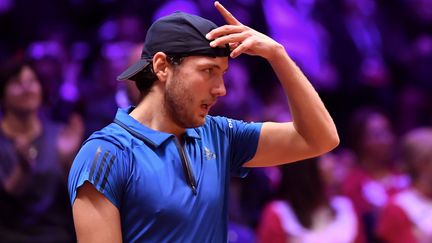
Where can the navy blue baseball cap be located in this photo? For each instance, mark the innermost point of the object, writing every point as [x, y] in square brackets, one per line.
[178, 34]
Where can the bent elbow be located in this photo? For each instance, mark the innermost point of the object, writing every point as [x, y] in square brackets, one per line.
[334, 141]
[329, 143]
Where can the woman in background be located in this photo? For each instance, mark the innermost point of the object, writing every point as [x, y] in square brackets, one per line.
[374, 176]
[305, 213]
[35, 155]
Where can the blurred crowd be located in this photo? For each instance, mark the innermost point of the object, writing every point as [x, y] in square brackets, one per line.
[370, 60]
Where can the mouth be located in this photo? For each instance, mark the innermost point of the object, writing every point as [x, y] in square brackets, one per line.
[206, 106]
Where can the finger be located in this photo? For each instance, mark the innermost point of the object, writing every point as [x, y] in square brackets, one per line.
[227, 39]
[233, 46]
[224, 30]
[229, 18]
[243, 47]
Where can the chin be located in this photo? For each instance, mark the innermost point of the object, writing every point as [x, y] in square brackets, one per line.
[200, 123]
[197, 122]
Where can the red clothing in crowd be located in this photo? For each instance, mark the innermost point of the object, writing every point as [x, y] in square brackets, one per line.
[280, 225]
[406, 218]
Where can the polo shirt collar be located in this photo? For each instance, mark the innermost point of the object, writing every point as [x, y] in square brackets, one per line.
[150, 136]
[192, 133]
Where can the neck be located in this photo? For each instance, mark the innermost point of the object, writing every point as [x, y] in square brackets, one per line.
[19, 125]
[152, 113]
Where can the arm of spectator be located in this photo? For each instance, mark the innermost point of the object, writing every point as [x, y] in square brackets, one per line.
[18, 180]
[69, 140]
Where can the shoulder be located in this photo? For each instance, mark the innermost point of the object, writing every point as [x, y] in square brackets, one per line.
[112, 136]
[110, 141]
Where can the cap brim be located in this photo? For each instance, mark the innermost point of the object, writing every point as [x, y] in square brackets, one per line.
[132, 70]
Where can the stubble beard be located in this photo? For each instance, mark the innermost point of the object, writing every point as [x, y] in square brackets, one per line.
[178, 102]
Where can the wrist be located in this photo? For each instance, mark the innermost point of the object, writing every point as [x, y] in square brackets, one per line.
[277, 52]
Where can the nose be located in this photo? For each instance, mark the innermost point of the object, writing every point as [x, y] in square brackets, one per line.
[27, 84]
[219, 89]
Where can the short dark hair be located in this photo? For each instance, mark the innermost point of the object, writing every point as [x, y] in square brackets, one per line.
[302, 186]
[146, 78]
[9, 69]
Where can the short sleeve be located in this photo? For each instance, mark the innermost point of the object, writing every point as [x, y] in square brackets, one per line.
[243, 142]
[102, 164]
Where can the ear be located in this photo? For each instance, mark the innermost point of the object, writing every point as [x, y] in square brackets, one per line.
[160, 66]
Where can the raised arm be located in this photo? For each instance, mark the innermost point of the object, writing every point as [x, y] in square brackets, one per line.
[312, 131]
[96, 219]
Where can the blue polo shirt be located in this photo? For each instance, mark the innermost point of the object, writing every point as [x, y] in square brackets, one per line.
[140, 171]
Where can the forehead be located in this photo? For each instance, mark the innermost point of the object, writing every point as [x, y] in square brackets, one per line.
[22, 73]
[26, 71]
[218, 62]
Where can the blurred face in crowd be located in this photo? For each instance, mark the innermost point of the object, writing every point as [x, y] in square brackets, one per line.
[417, 151]
[193, 87]
[335, 167]
[377, 138]
[23, 93]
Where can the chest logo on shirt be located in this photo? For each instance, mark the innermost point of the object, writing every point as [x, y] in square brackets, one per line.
[208, 154]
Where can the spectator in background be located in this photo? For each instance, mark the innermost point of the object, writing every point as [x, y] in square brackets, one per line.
[305, 213]
[58, 68]
[334, 167]
[374, 176]
[35, 155]
[408, 216]
[48, 57]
